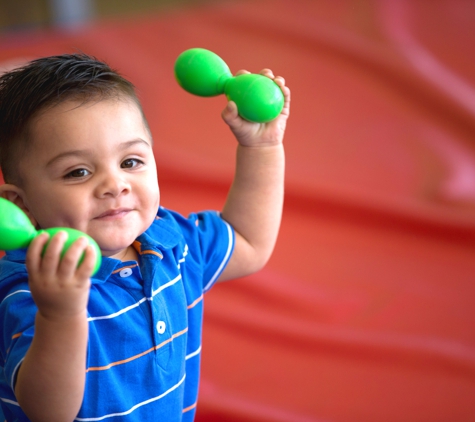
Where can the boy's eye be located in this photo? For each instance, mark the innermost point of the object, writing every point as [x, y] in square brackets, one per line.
[130, 163]
[78, 173]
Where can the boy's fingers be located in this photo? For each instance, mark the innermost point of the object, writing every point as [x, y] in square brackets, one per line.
[230, 113]
[69, 262]
[35, 250]
[286, 92]
[242, 72]
[267, 72]
[52, 254]
[279, 80]
[87, 265]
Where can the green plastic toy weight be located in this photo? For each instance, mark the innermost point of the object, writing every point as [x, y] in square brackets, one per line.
[16, 232]
[201, 72]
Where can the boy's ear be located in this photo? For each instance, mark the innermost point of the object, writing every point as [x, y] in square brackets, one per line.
[16, 195]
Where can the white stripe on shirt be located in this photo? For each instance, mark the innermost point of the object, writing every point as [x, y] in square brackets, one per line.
[127, 412]
[170, 283]
[9, 401]
[116, 314]
[128, 308]
[223, 263]
[14, 293]
[193, 354]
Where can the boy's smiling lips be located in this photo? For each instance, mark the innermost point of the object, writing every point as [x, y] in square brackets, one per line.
[114, 213]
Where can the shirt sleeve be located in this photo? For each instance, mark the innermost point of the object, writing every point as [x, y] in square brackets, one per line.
[216, 238]
[209, 239]
[17, 317]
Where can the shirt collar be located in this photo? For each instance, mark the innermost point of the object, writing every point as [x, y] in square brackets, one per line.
[160, 236]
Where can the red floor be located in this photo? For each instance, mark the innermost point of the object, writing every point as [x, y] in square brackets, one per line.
[366, 310]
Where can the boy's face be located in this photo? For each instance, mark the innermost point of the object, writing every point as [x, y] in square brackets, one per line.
[91, 167]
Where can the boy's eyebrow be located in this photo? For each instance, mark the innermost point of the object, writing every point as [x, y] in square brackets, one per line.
[82, 153]
[133, 142]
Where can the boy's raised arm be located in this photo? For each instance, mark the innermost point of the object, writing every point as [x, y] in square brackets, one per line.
[255, 200]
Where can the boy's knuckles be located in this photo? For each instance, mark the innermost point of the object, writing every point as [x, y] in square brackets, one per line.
[242, 72]
[267, 72]
[70, 260]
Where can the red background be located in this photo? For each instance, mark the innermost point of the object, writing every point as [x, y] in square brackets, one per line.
[366, 309]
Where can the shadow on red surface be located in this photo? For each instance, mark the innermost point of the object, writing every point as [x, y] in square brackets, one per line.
[365, 311]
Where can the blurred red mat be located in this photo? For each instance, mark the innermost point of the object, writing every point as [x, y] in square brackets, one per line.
[365, 311]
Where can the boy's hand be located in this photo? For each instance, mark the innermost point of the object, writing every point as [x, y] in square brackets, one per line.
[59, 287]
[259, 134]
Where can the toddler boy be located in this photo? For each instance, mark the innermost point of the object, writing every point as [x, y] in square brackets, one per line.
[124, 344]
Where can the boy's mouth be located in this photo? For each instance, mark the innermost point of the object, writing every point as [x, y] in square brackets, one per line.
[115, 213]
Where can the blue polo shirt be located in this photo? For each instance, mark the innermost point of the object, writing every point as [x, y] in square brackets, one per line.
[145, 322]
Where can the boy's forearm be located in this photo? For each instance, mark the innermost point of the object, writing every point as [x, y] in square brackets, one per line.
[254, 204]
[51, 379]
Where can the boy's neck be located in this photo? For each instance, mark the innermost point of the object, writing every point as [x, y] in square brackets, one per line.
[128, 254]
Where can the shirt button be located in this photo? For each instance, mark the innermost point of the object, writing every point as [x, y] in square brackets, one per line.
[126, 272]
[161, 326]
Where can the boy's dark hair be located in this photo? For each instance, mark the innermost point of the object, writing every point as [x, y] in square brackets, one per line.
[47, 82]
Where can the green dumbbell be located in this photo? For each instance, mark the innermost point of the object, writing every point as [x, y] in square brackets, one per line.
[201, 72]
[16, 232]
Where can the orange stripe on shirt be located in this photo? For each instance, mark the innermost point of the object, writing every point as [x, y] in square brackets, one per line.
[187, 409]
[137, 246]
[14, 336]
[120, 362]
[152, 253]
[195, 302]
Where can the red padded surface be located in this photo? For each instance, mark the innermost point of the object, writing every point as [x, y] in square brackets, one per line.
[366, 309]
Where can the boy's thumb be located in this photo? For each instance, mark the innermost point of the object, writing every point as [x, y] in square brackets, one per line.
[230, 112]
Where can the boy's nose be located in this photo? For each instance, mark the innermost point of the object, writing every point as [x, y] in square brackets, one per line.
[113, 185]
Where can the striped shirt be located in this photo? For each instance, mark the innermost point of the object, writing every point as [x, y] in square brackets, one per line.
[145, 322]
